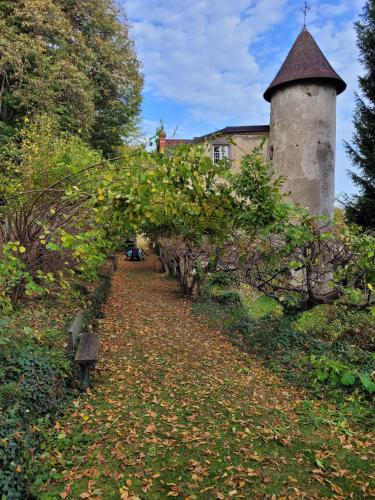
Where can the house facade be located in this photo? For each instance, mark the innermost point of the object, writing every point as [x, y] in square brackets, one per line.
[230, 142]
[233, 142]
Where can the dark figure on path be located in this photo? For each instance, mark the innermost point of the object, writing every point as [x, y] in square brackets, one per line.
[135, 254]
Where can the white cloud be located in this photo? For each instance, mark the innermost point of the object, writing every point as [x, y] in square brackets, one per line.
[199, 53]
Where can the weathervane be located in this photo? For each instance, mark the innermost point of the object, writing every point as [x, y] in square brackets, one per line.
[305, 10]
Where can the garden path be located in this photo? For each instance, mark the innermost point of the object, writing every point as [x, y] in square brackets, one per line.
[177, 410]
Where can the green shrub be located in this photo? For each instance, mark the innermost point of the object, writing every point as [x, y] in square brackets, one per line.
[289, 351]
[338, 374]
[34, 384]
[8, 393]
[314, 350]
[322, 321]
[13, 442]
[98, 298]
[227, 297]
[259, 305]
[339, 323]
[222, 279]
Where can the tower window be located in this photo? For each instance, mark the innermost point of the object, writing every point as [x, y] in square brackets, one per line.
[220, 152]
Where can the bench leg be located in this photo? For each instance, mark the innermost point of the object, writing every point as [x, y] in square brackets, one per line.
[84, 376]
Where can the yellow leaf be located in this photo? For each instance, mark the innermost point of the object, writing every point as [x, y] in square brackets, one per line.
[22, 249]
[109, 176]
[123, 493]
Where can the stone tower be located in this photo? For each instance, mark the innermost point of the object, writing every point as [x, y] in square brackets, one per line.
[302, 141]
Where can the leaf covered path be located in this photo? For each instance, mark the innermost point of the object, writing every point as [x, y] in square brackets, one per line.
[176, 410]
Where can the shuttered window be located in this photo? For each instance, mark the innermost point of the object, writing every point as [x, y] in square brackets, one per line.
[220, 152]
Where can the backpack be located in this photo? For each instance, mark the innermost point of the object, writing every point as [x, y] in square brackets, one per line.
[135, 254]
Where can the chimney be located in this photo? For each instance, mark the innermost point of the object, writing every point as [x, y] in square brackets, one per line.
[162, 141]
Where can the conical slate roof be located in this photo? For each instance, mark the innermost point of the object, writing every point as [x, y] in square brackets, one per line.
[305, 61]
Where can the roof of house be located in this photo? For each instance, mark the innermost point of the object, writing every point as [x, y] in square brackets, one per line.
[242, 129]
[172, 143]
[305, 61]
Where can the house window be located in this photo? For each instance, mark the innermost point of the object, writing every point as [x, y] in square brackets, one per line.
[220, 152]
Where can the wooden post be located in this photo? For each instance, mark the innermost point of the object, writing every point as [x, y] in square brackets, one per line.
[84, 376]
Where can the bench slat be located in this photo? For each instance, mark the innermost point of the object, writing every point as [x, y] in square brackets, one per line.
[73, 331]
[88, 348]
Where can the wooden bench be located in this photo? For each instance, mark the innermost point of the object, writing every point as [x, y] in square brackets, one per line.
[86, 357]
[87, 353]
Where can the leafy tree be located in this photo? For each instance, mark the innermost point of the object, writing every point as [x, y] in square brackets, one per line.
[73, 60]
[114, 69]
[361, 208]
[48, 225]
[69, 205]
[305, 262]
[41, 70]
[193, 208]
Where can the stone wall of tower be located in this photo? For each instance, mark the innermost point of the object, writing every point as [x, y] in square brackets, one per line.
[302, 143]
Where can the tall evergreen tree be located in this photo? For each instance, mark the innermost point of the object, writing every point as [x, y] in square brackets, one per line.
[361, 208]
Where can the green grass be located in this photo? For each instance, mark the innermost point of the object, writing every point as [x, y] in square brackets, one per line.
[177, 411]
[258, 306]
[286, 344]
[223, 450]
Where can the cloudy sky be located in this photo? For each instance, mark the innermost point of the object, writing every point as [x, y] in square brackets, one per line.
[207, 62]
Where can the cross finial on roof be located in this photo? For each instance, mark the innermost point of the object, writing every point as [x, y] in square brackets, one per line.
[305, 10]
